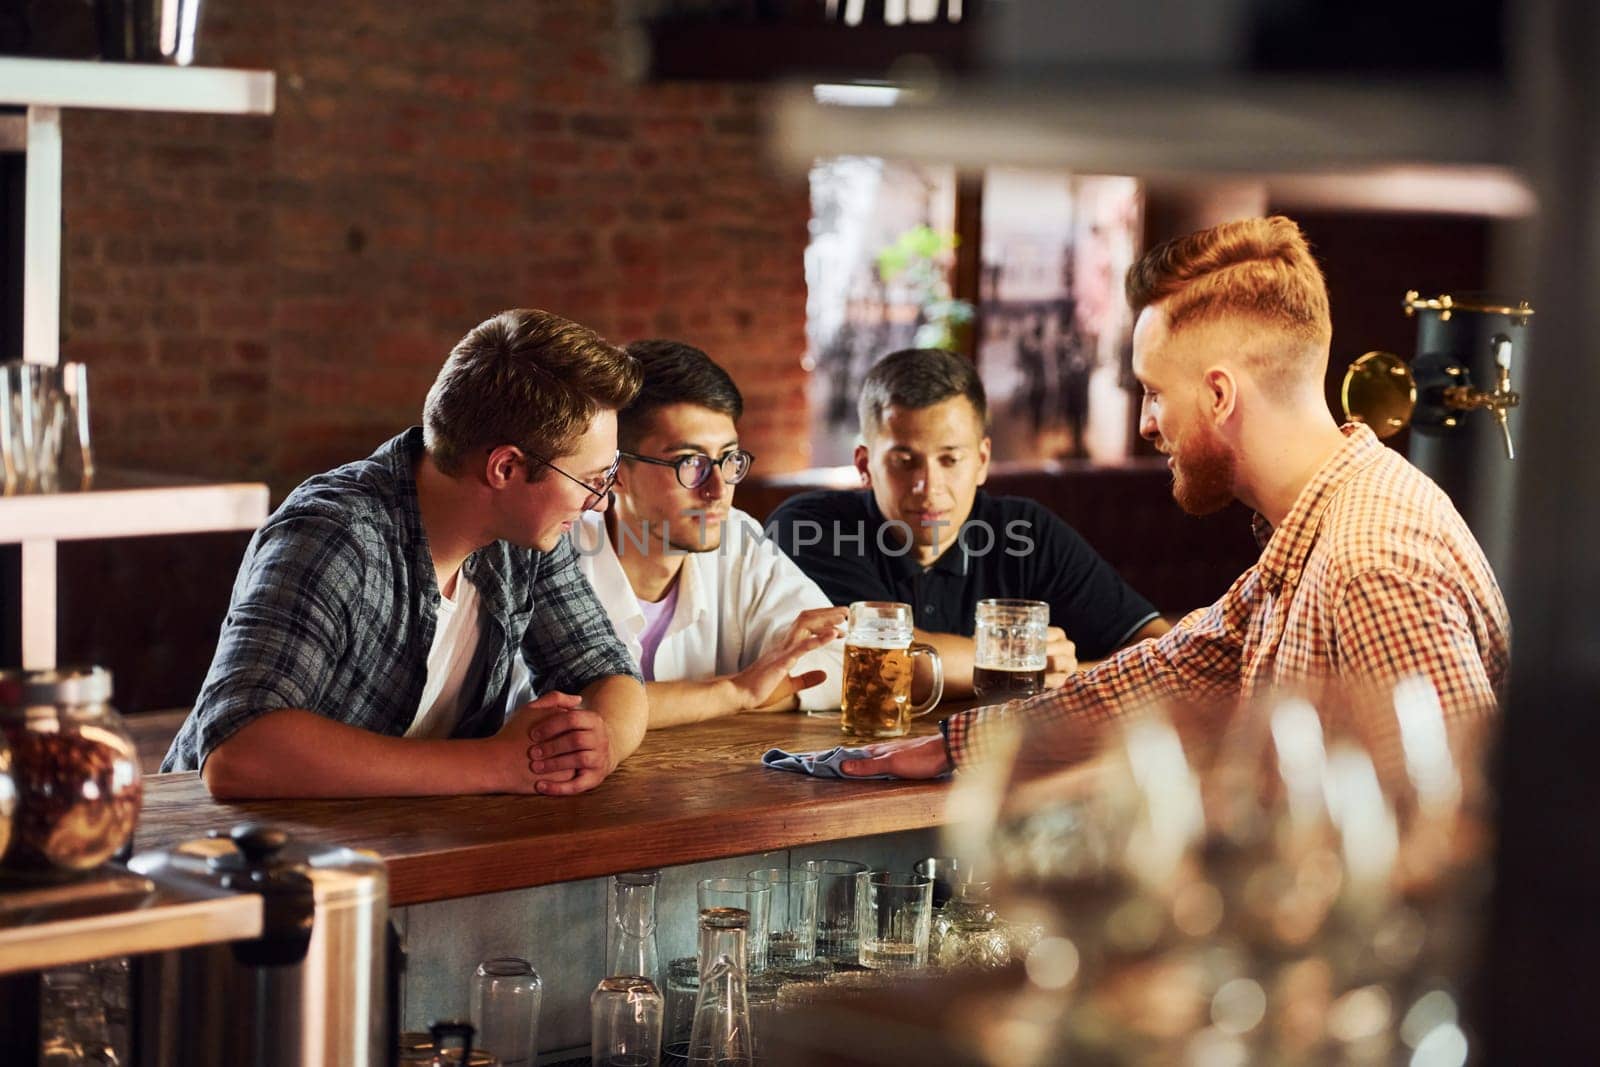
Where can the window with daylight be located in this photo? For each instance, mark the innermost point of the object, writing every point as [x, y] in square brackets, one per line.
[1044, 318]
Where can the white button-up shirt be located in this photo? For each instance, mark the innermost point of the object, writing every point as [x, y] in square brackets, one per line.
[734, 603]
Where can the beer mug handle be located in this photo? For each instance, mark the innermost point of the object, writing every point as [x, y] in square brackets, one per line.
[920, 649]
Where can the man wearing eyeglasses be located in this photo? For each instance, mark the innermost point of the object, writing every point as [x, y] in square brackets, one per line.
[387, 611]
[717, 618]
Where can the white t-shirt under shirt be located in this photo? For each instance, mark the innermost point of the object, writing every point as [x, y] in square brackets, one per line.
[455, 639]
[657, 617]
[733, 605]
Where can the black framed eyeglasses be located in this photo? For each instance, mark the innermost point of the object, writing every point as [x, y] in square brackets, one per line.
[597, 492]
[694, 468]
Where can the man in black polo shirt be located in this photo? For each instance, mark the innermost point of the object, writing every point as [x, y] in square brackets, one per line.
[921, 532]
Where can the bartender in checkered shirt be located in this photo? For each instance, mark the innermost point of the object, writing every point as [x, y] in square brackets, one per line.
[1367, 573]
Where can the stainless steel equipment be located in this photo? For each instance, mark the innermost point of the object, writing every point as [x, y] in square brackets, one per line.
[310, 992]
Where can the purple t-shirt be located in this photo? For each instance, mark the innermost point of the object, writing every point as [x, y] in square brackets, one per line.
[657, 617]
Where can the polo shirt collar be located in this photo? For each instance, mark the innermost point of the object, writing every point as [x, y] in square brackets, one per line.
[955, 560]
[1287, 546]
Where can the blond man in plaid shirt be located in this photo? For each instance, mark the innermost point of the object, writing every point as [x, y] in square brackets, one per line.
[1367, 573]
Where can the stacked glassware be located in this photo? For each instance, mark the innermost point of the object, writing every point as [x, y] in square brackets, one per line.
[1300, 889]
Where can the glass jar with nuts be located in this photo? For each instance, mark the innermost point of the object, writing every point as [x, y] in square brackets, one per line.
[75, 770]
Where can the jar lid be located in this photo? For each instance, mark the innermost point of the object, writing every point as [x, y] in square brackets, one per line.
[61, 686]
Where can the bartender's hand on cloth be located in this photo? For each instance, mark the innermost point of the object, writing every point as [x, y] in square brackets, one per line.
[561, 747]
[911, 757]
[1061, 658]
[767, 685]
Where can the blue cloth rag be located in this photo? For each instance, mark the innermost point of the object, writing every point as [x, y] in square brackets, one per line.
[824, 764]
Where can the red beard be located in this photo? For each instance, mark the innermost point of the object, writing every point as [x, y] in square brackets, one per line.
[1203, 472]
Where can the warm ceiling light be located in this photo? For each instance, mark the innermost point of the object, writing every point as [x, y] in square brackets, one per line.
[855, 95]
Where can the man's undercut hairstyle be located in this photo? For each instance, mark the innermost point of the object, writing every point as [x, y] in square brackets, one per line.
[1256, 268]
[674, 373]
[525, 378]
[919, 378]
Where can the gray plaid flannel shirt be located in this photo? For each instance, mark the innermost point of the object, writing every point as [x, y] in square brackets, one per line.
[335, 605]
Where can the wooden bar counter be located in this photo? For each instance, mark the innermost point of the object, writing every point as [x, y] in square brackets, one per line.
[688, 794]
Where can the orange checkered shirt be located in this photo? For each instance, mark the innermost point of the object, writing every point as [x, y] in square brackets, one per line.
[1373, 576]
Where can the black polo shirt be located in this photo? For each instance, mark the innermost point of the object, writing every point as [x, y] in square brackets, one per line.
[1008, 547]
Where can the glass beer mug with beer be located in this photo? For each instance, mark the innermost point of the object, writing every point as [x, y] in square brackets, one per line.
[1009, 660]
[879, 658]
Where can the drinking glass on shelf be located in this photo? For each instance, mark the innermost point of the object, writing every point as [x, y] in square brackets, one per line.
[791, 914]
[21, 425]
[43, 384]
[761, 993]
[949, 876]
[506, 995]
[75, 391]
[747, 894]
[839, 895]
[879, 654]
[12, 471]
[683, 986]
[625, 1022]
[39, 404]
[721, 1034]
[896, 920]
[1009, 659]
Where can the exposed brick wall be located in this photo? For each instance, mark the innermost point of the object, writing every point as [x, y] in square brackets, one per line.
[268, 297]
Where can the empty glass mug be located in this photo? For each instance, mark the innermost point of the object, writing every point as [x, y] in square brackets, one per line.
[1009, 659]
[879, 658]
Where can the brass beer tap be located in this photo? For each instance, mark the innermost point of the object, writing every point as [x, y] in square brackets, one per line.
[1499, 402]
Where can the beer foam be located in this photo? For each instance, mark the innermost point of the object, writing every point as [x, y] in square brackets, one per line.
[893, 642]
[1011, 663]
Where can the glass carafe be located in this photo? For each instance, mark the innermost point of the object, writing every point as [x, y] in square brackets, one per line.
[631, 940]
[721, 1036]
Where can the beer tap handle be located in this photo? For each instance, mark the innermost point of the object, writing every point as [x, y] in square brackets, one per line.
[1502, 352]
[1501, 417]
[1503, 399]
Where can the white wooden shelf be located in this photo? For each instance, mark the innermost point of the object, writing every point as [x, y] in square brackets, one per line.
[132, 505]
[115, 913]
[135, 86]
[127, 506]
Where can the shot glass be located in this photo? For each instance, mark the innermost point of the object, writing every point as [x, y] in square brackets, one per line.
[840, 892]
[791, 914]
[752, 896]
[895, 921]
